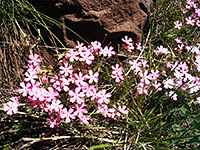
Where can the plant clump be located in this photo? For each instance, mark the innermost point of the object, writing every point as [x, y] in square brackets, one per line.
[151, 98]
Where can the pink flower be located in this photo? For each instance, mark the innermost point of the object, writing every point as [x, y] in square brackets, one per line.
[182, 67]
[111, 112]
[34, 88]
[188, 2]
[129, 47]
[194, 86]
[123, 110]
[79, 45]
[72, 79]
[92, 77]
[191, 3]
[161, 50]
[44, 79]
[88, 90]
[117, 73]
[25, 89]
[184, 10]
[66, 70]
[34, 59]
[178, 25]
[107, 51]
[76, 96]
[80, 79]
[194, 49]
[67, 115]
[142, 88]
[190, 21]
[197, 11]
[129, 43]
[41, 94]
[178, 40]
[84, 119]
[168, 83]
[157, 85]
[178, 74]
[94, 94]
[87, 57]
[172, 94]
[103, 97]
[63, 84]
[163, 72]
[102, 108]
[53, 122]
[33, 68]
[54, 79]
[135, 66]
[72, 55]
[194, 16]
[80, 110]
[169, 64]
[52, 94]
[96, 46]
[127, 40]
[14, 99]
[55, 106]
[31, 76]
[35, 101]
[144, 63]
[139, 47]
[12, 106]
[145, 78]
[198, 100]
[42, 105]
[154, 74]
[188, 7]
[198, 23]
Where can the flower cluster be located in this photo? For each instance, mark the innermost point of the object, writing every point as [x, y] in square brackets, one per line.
[130, 44]
[139, 67]
[161, 50]
[181, 77]
[192, 19]
[80, 88]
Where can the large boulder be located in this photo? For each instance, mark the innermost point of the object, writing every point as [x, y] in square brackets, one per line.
[102, 20]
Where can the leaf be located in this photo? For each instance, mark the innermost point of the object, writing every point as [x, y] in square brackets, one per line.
[99, 146]
[194, 108]
[183, 110]
[172, 35]
[196, 124]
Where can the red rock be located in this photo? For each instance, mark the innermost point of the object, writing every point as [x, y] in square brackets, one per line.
[102, 20]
